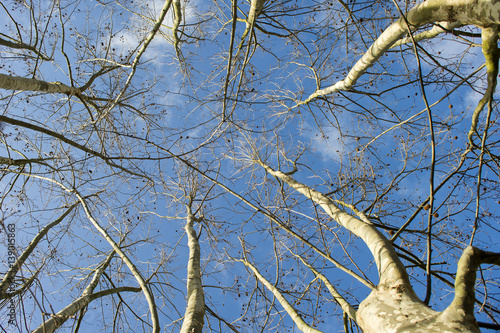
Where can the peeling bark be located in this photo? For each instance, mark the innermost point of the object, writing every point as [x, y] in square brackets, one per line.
[388, 310]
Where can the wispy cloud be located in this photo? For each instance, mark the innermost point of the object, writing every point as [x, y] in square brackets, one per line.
[328, 142]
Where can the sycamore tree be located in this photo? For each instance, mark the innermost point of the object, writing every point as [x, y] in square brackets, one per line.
[249, 166]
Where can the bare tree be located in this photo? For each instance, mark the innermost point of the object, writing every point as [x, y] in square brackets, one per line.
[249, 166]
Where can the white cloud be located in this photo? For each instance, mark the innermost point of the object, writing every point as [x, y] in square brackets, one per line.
[472, 97]
[328, 142]
[139, 25]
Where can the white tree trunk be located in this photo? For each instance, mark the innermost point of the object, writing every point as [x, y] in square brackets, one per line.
[297, 319]
[20, 83]
[195, 309]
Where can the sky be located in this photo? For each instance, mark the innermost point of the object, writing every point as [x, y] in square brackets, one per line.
[178, 108]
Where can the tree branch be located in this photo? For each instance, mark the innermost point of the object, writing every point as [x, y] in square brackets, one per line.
[491, 53]
[391, 269]
[9, 277]
[348, 308]
[21, 45]
[297, 319]
[20, 83]
[478, 12]
[58, 319]
[106, 159]
[465, 280]
[436, 30]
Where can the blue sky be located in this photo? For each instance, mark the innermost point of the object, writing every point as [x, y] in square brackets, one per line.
[166, 108]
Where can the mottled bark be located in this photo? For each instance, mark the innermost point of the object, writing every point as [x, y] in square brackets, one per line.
[195, 309]
[391, 310]
[491, 53]
[388, 310]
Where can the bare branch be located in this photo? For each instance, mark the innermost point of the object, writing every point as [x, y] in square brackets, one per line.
[301, 324]
[71, 310]
[391, 270]
[20, 83]
[11, 273]
[481, 12]
[462, 305]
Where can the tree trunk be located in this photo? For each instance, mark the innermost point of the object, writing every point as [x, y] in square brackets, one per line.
[393, 305]
[195, 309]
[20, 83]
[391, 309]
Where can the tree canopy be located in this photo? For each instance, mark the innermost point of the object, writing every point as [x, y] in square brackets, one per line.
[249, 166]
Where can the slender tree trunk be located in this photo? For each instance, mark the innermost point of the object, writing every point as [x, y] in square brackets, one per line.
[20, 83]
[195, 309]
[71, 310]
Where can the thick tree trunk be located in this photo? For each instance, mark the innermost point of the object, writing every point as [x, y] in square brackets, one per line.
[390, 309]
